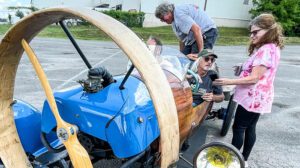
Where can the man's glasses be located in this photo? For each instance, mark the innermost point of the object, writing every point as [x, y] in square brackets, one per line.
[254, 32]
[212, 59]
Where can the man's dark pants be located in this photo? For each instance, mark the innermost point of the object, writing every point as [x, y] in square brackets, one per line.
[209, 39]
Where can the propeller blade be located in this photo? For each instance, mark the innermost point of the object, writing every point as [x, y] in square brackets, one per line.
[66, 132]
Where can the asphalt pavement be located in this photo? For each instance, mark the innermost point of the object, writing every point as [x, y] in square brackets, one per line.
[278, 133]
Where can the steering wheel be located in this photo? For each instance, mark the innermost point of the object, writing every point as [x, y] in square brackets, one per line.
[194, 81]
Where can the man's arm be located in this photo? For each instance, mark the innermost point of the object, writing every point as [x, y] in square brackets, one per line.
[217, 92]
[198, 36]
[213, 97]
[181, 46]
[218, 97]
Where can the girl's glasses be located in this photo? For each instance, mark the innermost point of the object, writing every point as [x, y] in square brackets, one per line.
[254, 32]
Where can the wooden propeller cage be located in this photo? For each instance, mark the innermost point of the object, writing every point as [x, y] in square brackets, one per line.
[11, 152]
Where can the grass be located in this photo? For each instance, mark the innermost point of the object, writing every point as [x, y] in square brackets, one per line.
[227, 36]
[4, 28]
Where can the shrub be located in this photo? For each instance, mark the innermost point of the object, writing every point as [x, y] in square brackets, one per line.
[287, 13]
[19, 14]
[130, 19]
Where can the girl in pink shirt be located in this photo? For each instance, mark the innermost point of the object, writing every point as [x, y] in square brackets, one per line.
[254, 91]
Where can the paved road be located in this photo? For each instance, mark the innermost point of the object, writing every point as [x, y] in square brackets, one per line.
[278, 133]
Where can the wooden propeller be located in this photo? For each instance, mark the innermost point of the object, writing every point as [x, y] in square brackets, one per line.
[66, 132]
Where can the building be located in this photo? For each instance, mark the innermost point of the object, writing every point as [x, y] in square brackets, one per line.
[92, 4]
[227, 13]
[12, 11]
[9, 15]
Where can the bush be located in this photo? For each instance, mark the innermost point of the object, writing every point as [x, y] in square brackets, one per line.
[287, 13]
[130, 19]
[83, 22]
[19, 14]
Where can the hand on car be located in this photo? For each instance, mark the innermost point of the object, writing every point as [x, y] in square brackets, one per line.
[188, 76]
[208, 97]
[192, 56]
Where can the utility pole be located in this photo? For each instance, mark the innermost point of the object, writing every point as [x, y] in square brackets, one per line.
[205, 3]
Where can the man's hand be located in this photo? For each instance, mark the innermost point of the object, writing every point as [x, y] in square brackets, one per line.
[188, 76]
[208, 97]
[192, 56]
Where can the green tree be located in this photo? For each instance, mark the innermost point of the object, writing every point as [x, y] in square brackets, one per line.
[130, 19]
[287, 13]
[31, 8]
[19, 14]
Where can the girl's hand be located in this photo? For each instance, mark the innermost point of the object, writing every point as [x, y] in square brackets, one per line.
[222, 81]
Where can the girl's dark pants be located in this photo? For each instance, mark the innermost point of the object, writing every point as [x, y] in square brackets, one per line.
[244, 130]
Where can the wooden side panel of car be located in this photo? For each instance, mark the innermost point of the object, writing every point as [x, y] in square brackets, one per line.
[188, 116]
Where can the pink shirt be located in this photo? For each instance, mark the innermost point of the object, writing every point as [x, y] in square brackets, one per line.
[258, 97]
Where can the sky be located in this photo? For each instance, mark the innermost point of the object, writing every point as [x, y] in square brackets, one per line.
[6, 3]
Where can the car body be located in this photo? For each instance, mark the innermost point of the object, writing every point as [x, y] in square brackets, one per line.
[142, 116]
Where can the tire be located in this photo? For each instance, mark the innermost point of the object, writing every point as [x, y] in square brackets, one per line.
[230, 112]
[69, 24]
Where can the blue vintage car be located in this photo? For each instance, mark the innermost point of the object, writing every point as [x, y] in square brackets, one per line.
[107, 117]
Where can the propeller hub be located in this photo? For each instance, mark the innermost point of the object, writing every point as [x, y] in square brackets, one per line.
[62, 134]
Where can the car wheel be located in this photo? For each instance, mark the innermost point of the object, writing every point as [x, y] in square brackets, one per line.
[69, 24]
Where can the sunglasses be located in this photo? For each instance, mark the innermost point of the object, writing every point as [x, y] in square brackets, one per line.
[254, 32]
[212, 59]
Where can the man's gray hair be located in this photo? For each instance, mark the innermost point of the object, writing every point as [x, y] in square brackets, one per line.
[163, 9]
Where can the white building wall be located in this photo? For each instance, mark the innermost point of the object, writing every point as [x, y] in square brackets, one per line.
[131, 5]
[4, 14]
[73, 3]
[228, 13]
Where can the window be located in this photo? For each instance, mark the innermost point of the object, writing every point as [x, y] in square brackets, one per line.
[246, 2]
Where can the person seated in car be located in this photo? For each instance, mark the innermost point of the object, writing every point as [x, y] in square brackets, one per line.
[155, 47]
[202, 67]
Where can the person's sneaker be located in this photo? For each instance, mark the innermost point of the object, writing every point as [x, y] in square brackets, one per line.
[246, 164]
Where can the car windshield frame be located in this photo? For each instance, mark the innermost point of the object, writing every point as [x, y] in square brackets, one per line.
[172, 60]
